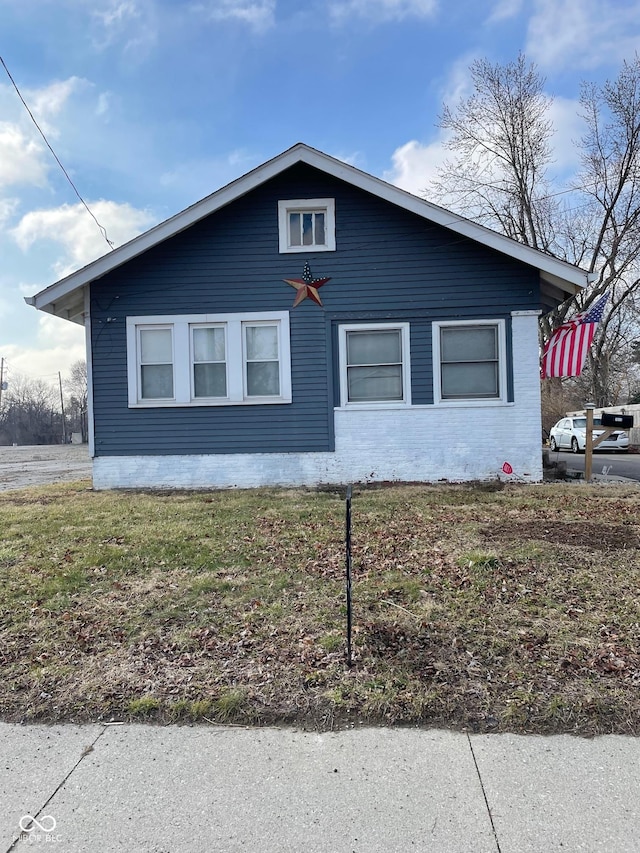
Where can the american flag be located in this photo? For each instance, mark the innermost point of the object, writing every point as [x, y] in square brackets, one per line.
[565, 351]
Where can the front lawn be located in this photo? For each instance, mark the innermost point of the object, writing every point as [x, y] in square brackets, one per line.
[512, 609]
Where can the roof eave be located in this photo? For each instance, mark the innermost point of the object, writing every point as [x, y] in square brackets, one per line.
[569, 278]
[70, 307]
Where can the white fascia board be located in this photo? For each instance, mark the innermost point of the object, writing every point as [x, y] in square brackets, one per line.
[300, 153]
[559, 270]
[169, 228]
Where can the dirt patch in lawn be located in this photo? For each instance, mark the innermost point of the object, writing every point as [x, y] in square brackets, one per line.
[586, 534]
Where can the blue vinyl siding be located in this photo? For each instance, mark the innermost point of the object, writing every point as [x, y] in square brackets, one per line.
[389, 265]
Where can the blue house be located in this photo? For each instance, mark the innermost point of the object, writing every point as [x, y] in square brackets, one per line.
[309, 323]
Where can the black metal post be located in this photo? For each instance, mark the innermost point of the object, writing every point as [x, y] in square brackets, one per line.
[348, 572]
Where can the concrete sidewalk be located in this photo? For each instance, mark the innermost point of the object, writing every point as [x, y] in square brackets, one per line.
[217, 789]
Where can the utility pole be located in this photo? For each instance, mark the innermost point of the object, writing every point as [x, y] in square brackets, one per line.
[64, 430]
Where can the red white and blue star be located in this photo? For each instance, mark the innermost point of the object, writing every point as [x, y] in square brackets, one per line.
[307, 286]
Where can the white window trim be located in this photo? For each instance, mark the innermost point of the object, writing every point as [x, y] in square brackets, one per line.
[182, 363]
[319, 205]
[501, 400]
[404, 329]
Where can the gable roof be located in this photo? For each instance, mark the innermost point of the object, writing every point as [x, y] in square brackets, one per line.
[65, 298]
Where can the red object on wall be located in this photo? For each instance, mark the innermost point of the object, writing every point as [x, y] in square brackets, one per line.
[307, 286]
[507, 468]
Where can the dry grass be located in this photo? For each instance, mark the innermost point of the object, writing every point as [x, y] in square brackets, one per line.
[514, 609]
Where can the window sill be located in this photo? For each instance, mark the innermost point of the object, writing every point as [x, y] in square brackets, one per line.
[192, 404]
[463, 404]
[292, 250]
[367, 407]
[471, 404]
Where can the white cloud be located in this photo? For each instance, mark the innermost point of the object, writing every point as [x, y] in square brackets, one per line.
[21, 158]
[118, 13]
[24, 159]
[104, 104]
[582, 33]
[458, 82]
[8, 206]
[382, 10]
[257, 14]
[130, 23]
[58, 345]
[415, 165]
[48, 102]
[355, 158]
[77, 233]
[564, 114]
[504, 10]
[26, 289]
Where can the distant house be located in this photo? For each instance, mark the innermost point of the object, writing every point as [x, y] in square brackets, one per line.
[309, 323]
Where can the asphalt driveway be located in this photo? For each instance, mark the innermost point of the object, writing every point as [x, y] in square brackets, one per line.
[605, 466]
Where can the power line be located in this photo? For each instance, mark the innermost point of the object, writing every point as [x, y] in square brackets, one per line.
[11, 370]
[103, 230]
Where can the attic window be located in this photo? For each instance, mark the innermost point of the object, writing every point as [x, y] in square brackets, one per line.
[307, 224]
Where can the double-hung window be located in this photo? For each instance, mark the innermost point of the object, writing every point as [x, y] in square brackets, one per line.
[261, 359]
[374, 364]
[155, 364]
[469, 361]
[209, 360]
[307, 224]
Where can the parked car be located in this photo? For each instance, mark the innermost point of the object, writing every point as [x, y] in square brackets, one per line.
[571, 434]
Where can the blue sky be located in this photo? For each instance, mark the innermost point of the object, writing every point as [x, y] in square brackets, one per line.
[152, 105]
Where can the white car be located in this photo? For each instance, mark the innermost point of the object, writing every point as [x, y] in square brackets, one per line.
[571, 434]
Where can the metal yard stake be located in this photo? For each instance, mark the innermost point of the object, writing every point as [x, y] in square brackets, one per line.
[348, 572]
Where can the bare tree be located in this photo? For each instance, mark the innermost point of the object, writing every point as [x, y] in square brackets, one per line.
[609, 245]
[29, 413]
[501, 137]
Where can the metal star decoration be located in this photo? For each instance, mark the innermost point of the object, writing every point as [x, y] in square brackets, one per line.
[306, 286]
